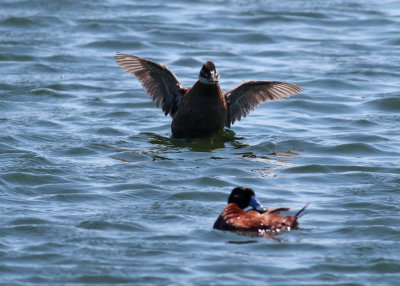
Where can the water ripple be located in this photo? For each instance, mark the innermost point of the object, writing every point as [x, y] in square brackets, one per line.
[95, 190]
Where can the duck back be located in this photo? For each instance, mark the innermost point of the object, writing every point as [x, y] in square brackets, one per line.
[234, 218]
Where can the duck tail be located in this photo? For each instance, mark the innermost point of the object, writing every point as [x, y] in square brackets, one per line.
[297, 215]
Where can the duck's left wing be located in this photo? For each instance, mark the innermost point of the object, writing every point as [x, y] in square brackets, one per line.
[160, 83]
[248, 95]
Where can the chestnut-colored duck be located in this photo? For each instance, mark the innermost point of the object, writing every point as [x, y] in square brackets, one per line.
[203, 108]
[259, 219]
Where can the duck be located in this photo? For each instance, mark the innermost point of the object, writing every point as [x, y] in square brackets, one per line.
[259, 219]
[202, 109]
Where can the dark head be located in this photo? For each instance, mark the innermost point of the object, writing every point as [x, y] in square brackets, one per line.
[208, 73]
[244, 197]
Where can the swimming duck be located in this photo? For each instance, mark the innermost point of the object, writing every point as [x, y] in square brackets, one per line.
[259, 219]
[203, 108]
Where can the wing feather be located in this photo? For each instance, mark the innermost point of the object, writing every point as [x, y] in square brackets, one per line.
[160, 83]
[248, 95]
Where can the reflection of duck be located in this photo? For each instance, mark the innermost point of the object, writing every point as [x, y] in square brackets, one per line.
[203, 108]
[259, 219]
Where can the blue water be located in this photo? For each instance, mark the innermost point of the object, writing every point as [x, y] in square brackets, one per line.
[93, 189]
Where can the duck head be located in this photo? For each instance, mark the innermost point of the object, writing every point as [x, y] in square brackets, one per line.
[208, 73]
[244, 197]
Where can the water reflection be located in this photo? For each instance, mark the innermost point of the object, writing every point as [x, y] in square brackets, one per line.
[263, 234]
[217, 140]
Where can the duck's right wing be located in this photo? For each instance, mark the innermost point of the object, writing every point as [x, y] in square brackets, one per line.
[160, 83]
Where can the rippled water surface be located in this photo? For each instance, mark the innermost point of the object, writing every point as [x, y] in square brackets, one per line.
[95, 190]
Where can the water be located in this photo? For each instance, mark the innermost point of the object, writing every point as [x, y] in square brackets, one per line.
[95, 190]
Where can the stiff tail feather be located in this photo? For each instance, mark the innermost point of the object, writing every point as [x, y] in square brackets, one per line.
[297, 215]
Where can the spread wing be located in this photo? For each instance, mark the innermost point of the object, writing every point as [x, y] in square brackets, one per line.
[161, 84]
[248, 95]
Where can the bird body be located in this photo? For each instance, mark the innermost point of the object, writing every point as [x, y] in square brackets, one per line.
[236, 219]
[203, 108]
[202, 111]
[259, 219]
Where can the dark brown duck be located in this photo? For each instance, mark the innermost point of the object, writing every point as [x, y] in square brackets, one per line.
[203, 108]
[259, 219]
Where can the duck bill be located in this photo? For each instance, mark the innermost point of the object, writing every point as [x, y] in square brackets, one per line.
[256, 204]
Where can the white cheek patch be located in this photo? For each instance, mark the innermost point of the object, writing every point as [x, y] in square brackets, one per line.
[205, 81]
[215, 74]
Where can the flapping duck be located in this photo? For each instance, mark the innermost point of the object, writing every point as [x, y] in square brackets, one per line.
[203, 108]
[256, 220]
